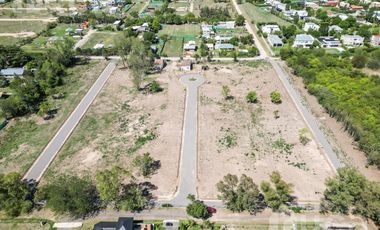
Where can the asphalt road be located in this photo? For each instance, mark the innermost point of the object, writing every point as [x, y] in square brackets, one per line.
[188, 164]
[46, 157]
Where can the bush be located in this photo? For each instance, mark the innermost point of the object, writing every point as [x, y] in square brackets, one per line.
[275, 97]
[155, 87]
[251, 97]
[197, 208]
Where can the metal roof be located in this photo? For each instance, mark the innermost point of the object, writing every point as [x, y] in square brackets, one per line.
[12, 71]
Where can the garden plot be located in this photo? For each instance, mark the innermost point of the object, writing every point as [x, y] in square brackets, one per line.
[238, 137]
[122, 124]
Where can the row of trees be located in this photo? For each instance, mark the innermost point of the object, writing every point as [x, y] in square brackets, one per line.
[244, 195]
[347, 94]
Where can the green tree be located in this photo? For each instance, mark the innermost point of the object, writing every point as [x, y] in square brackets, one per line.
[62, 52]
[123, 45]
[281, 193]
[139, 62]
[108, 183]
[359, 60]
[197, 208]
[29, 91]
[239, 21]
[71, 195]
[50, 75]
[15, 197]
[146, 165]
[133, 197]
[240, 195]
[275, 97]
[251, 97]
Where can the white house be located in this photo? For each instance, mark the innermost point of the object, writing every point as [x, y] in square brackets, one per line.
[224, 46]
[185, 65]
[329, 42]
[344, 4]
[312, 5]
[210, 46]
[279, 6]
[310, 26]
[12, 72]
[226, 25]
[113, 10]
[335, 28]
[342, 16]
[220, 39]
[375, 40]
[190, 46]
[352, 40]
[376, 14]
[275, 40]
[302, 14]
[270, 29]
[303, 41]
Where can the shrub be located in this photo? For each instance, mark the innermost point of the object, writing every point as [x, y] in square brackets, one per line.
[251, 97]
[275, 97]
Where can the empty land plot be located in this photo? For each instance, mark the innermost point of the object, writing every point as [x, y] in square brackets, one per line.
[24, 138]
[105, 38]
[123, 123]
[181, 30]
[238, 137]
[21, 26]
[15, 13]
[199, 4]
[173, 47]
[258, 15]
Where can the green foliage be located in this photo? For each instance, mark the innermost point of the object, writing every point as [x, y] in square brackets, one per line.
[108, 183]
[240, 20]
[283, 146]
[70, 195]
[251, 97]
[243, 195]
[349, 191]
[134, 197]
[12, 56]
[146, 165]
[15, 197]
[278, 195]
[226, 92]
[275, 97]
[303, 136]
[197, 208]
[348, 95]
[229, 138]
[155, 87]
[359, 61]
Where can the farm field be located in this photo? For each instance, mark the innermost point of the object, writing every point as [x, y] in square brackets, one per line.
[122, 124]
[238, 137]
[21, 26]
[107, 38]
[23, 139]
[259, 15]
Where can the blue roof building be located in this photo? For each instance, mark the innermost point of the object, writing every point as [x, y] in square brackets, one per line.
[11, 72]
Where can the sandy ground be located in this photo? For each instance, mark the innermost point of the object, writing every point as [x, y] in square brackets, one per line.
[123, 115]
[256, 131]
[340, 139]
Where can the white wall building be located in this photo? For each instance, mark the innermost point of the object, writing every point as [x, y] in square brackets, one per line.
[303, 41]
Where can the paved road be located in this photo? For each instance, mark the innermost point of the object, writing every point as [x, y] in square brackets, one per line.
[85, 38]
[188, 164]
[46, 157]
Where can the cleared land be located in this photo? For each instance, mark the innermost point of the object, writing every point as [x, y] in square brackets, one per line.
[8, 40]
[14, 13]
[21, 26]
[199, 4]
[106, 38]
[24, 139]
[237, 137]
[123, 123]
[258, 15]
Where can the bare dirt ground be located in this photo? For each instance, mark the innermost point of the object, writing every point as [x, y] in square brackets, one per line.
[237, 137]
[123, 123]
[340, 139]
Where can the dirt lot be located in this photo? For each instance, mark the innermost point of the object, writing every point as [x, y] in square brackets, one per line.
[237, 137]
[123, 123]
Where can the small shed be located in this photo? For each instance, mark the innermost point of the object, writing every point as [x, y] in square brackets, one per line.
[185, 65]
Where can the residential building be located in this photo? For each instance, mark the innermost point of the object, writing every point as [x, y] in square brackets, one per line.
[312, 5]
[224, 46]
[226, 25]
[12, 72]
[374, 5]
[344, 5]
[98, 46]
[375, 40]
[303, 41]
[302, 14]
[113, 10]
[335, 28]
[220, 39]
[352, 40]
[356, 7]
[185, 65]
[279, 6]
[270, 29]
[207, 31]
[190, 46]
[310, 26]
[342, 16]
[210, 46]
[329, 42]
[123, 223]
[376, 14]
[275, 40]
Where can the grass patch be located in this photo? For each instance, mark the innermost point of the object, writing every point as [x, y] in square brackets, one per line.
[26, 224]
[8, 40]
[228, 138]
[181, 30]
[23, 140]
[260, 15]
[21, 26]
[106, 38]
[281, 145]
[173, 47]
